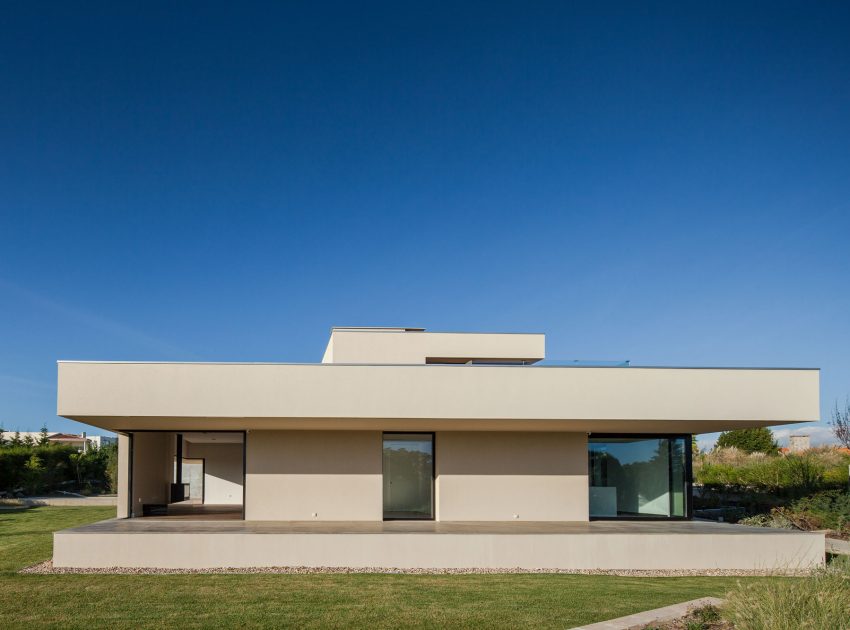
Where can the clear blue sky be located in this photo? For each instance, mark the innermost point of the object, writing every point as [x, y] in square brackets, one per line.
[662, 183]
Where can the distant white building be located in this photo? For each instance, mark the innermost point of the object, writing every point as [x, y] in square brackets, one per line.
[82, 442]
[799, 443]
[102, 440]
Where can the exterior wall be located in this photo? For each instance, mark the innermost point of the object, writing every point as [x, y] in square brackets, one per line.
[412, 347]
[222, 471]
[153, 468]
[629, 399]
[480, 476]
[723, 547]
[123, 475]
[502, 476]
[314, 475]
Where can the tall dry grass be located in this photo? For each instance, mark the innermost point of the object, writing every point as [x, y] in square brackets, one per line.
[818, 602]
[792, 474]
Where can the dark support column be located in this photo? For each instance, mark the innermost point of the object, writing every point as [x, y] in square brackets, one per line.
[178, 489]
[179, 468]
[131, 507]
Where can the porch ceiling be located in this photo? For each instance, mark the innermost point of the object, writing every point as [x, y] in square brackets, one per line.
[121, 424]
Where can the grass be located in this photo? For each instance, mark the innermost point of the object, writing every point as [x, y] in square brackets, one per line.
[308, 601]
[820, 602]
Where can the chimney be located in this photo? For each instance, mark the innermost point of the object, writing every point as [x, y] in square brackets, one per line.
[799, 443]
[85, 443]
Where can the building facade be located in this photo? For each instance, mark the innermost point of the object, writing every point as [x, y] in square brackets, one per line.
[400, 425]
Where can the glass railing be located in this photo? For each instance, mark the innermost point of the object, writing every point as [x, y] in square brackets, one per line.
[582, 363]
[542, 363]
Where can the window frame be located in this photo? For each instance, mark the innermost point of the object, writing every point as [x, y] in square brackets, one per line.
[689, 475]
[433, 435]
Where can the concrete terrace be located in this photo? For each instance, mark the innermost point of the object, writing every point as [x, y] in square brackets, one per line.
[154, 525]
[604, 545]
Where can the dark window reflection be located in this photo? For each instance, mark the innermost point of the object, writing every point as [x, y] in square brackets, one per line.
[638, 477]
[408, 476]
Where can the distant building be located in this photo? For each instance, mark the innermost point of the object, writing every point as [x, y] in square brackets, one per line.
[81, 442]
[799, 443]
[10, 435]
[102, 440]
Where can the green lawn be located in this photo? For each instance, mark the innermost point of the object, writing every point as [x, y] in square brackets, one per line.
[306, 601]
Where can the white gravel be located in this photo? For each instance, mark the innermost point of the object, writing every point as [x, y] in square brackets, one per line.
[47, 568]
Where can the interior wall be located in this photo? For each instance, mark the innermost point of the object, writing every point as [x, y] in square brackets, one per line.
[314, 475]
[505, 476]
[153, 464]
[222, 471]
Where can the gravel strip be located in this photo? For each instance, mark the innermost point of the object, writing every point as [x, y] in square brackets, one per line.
[47, 568]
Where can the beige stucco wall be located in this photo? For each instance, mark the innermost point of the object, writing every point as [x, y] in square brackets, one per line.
[410, 347]
[123, 475]
[259, 396]
[502, 476]
[153, 468]
[735, 548]
[314, 475]
[222, 471]
[480, 476]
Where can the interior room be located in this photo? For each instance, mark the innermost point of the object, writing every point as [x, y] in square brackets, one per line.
[193, 475]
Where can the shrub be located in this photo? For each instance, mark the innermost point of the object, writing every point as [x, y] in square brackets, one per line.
[831, 508]
[775, 519]
[45, 468]
[818, 602]
[749, 440]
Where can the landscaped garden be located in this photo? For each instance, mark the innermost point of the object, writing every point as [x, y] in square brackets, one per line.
[313, 600]
[806, 490]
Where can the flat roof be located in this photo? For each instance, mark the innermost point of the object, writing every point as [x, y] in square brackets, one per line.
[450, 365]
[425, 330]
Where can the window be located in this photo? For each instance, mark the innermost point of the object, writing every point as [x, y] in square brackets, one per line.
[639, 476]
[408, 463]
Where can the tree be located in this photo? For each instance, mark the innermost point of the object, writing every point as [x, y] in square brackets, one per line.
[43, 440]
[840, 423]
[749, 440]
[33, 474]
[16, 440]
[77, 460]
[111, 452]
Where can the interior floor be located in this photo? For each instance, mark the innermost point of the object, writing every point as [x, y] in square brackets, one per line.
[193, 511]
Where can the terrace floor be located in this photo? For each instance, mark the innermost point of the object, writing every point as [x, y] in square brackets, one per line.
[153, 525]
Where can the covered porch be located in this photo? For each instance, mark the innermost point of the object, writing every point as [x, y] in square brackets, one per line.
[182, 475]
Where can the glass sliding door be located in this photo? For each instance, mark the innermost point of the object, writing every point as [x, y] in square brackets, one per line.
[639, 476]
[408, 476]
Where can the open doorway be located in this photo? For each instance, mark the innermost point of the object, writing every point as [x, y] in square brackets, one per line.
[198, 475]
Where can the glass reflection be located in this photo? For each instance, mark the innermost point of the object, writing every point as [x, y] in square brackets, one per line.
[408, 476]
[638, 477]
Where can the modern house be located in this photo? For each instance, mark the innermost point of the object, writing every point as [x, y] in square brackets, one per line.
[406, 448]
